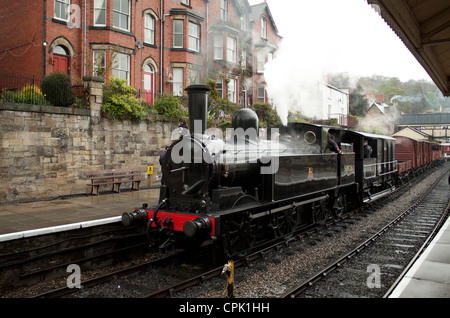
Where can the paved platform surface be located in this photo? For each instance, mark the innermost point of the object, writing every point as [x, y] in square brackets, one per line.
[20, 217]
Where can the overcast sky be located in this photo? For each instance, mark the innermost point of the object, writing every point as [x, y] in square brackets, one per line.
[342, 35]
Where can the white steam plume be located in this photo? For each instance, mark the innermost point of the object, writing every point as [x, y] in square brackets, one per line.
[292, 81]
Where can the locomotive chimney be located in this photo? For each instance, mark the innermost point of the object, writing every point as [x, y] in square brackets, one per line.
[198, 106]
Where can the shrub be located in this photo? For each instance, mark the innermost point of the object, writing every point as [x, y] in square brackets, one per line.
[120, 101]
[57, 88]
[268, 116]
[30, 94]
[170, 108]
[31, 90]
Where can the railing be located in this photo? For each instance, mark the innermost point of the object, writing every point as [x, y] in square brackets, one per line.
[373, 170]
[28, 90]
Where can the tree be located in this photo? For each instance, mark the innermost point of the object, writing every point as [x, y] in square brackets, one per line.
[358, 102]
[390, 91]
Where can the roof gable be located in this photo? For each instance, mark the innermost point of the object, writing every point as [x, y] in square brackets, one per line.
[258, 11]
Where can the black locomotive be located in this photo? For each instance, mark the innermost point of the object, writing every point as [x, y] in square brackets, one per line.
[240, 190]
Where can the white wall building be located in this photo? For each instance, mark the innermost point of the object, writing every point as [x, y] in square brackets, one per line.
[335, 103]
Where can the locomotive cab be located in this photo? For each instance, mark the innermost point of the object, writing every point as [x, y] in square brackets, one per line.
[375, 164]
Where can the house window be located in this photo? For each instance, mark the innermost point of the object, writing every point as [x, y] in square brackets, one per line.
[218, 47]
[121, 14]
[263, 28]
[243, 24]
[231, 90]
[121, 66]
[231, 49]
[261, 94]
[62, 9]
[186, 2]
[219, 87]
[149, 29]
[193, 77]
[244, 60]
[178, 81]
[223, 9]
[99, 63]
[178, 33]
[260, 61]
[194, 37]
[100, 12]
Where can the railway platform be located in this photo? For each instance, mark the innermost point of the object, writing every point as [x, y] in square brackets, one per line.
[36, 218]
[429, 277]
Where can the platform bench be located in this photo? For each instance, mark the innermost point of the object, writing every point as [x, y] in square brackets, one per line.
[113, 176]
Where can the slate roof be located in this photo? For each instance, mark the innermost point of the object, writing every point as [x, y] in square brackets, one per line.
[425, 119]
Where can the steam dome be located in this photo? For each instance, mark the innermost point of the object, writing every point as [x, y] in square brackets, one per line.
[245, 118]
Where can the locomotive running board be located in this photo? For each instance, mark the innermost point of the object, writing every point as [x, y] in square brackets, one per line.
[379, 195]
[286, 207]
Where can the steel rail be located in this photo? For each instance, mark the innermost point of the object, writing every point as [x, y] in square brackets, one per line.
[421, 250]
[323, 273]
[63, 291]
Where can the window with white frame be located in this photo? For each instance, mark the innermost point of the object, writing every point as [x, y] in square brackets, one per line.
[149, 29]
[218, 46]
[99, 63]
[231, 90]
[260, 61]
[121, 14]
[244, 59]
[223, 9]
[263, 28]
[121, 66]
[261, 94]
[186, 2]
[178, 33]
[243, 23]
[231, 49]
[194, 37]
[193, 77]
[62, 9]
[178, 81]
[219, 87]
[100, 12]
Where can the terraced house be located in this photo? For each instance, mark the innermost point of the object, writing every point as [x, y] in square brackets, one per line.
[158, 46]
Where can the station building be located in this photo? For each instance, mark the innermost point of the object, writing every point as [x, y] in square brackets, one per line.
[158, 46]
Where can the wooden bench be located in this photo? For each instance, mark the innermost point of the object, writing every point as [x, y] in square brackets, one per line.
[113, 176]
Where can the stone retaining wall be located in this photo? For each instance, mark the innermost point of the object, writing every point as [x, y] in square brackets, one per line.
[46, 149]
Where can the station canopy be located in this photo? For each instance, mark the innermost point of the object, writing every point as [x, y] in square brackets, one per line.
[424, 27]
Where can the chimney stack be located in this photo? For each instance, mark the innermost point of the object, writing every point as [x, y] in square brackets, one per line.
[198, 106]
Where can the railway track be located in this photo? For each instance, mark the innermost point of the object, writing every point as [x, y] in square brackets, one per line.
[372, 268]
[188, 274]
[29, 261]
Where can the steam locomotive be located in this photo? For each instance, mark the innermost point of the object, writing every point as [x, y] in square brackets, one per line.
[241, 190]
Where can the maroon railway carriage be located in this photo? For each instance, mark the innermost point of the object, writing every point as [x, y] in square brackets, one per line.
[408, 149]
[413, 155]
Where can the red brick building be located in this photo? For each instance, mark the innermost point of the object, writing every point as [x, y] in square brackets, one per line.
[158, 46]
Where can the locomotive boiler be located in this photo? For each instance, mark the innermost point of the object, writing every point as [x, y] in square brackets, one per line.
[240, 190]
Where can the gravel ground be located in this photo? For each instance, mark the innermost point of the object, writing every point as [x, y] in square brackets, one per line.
[289, 266]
